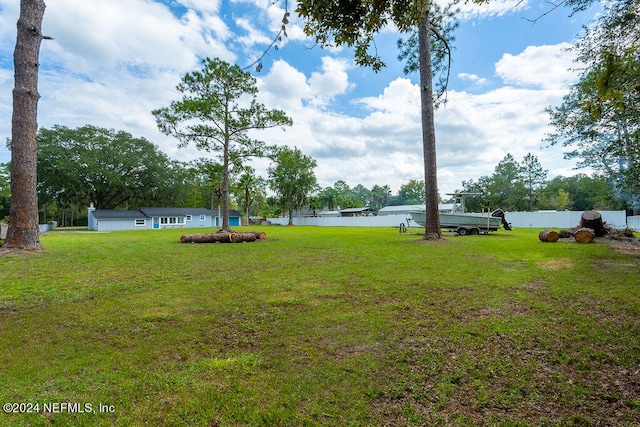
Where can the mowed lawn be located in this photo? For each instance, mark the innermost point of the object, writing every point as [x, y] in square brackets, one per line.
[319, 326]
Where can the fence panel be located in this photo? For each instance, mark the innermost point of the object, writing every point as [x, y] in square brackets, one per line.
[564, 219]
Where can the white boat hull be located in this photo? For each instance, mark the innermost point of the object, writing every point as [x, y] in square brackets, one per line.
[463, 223]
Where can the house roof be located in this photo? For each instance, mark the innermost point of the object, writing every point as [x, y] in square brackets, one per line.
[400, 209]
[356, 210]
[175, 211]
[232, 212]
[156, 212]
[115, 214]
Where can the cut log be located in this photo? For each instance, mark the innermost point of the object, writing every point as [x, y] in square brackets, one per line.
[584, 235]
[564, 234]
[260, 235]
[548, 236]
[209, 238]
[224, 237]
[593, 220]
[244, 237]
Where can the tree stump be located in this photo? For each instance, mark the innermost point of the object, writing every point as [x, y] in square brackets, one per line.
[593, 220]
[584, 235]
[548, 236]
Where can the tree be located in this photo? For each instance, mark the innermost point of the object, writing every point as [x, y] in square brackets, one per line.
[110, 168]
[380, 196]
[599, 119]
[328, 197]
[249, 188]
[209, 177]
[293, 179]
[534, 176]
[216, 113]
[346, 198]
[411, 193]
[506, 187]
[355, 24]
[5, 190]
[23, 232]
[562, 200]
[582, 193]
[315, 204]
[362, 195]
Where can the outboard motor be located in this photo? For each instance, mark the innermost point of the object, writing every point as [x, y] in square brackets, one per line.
[499, 213]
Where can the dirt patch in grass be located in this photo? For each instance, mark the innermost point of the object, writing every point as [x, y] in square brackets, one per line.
[4, 252]
[626, 246]
[420, 241]
[558, 264]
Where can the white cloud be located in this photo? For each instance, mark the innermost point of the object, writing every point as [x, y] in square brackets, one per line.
[332, 80]
[284, 87]
[254, 36]
[106, 33]
[122, 58]
[473, 131]
[473, 78]
[471, 10]
[204, 6]
[546, 67]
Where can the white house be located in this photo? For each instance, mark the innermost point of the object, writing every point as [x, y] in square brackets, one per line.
[156, 218]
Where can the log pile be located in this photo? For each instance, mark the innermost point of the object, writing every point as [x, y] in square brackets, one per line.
[591, 227]
[548, 236]
[224, 237]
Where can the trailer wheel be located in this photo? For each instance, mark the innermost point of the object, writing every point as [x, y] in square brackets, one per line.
[474, 231]
[462, 231]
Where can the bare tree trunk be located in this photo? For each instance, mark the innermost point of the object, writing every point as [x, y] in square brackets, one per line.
[432, 224]
[23, 232]
[246, 202]
[225, 187]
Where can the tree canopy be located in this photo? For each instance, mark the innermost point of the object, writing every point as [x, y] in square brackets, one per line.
[293, 179]
[218, 109]
[599, 120]
[110, 168]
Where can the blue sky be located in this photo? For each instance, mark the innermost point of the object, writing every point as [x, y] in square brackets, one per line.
[113, 61]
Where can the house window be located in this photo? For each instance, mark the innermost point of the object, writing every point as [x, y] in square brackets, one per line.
[172, 220]
[141, 222]
[180, 220]
[203, 218]
[164, 220]
[189, 218]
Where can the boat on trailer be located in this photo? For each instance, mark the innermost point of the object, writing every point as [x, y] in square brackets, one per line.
[463, 222]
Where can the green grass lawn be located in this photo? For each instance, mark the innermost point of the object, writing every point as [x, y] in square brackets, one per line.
[320, 326]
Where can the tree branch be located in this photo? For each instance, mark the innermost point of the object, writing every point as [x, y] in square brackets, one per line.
[283, 31]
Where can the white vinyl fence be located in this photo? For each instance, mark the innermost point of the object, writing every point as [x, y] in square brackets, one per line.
[566, 219]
